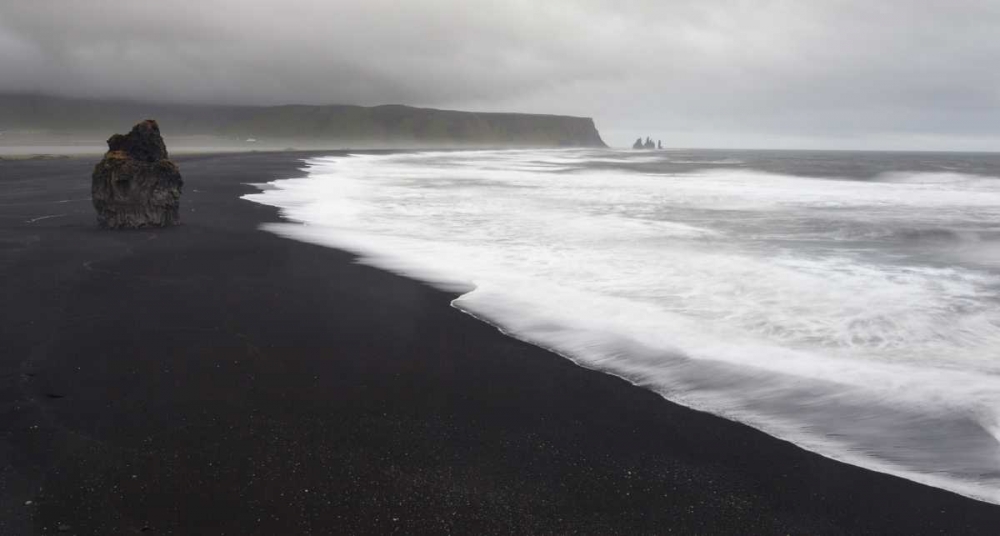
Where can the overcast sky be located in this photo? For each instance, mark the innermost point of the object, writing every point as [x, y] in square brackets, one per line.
[876, 74]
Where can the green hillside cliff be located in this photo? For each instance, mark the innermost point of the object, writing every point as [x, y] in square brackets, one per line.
[391, 125]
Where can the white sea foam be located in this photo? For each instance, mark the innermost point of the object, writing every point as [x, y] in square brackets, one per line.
[846, 316]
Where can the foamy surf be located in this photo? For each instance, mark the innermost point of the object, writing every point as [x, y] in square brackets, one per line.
[847, 316]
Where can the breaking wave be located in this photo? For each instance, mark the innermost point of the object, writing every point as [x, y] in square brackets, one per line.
[850, 317]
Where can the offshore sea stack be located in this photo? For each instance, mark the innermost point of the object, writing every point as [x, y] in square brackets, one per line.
[135, 185]
[648, 144]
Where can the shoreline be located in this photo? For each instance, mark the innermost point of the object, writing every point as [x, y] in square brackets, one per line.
[158, 378]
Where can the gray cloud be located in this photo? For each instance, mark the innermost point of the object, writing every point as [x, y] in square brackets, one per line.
[782, 73]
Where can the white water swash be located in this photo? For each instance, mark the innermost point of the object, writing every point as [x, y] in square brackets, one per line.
[856, 318]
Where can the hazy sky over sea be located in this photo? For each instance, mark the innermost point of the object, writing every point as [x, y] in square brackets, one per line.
[785, 73]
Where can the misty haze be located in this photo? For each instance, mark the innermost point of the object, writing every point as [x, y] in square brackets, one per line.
[442, 267]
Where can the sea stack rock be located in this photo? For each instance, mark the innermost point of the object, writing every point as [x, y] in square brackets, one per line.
[648, 144]
[135, 185]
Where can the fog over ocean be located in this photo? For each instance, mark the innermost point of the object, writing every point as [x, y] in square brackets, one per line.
[847, 302]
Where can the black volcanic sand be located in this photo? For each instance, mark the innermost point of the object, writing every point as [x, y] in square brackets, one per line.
[215, 379]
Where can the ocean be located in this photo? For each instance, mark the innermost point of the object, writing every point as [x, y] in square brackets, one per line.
[848, 302]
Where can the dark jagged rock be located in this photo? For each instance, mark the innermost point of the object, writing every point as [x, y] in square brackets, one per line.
[142, 143]
[648, 144]
[135, 185]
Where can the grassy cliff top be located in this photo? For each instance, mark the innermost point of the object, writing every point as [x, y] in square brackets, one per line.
[388, 124]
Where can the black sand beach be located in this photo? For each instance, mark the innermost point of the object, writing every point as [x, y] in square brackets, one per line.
[216, 379]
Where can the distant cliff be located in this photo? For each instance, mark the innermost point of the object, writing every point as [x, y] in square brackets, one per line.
[344, 125]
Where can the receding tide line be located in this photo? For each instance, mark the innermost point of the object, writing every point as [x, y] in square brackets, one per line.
[700, 374]
[40, 218]
[926, 424]
[690, 382]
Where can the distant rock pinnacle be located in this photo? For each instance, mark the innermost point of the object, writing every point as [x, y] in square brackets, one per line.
[648, 144]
